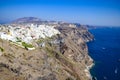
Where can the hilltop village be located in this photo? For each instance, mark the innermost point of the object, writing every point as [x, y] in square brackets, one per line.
[27, 33]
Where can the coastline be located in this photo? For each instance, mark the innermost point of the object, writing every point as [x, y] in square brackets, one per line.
[89, 67]
[87, 70]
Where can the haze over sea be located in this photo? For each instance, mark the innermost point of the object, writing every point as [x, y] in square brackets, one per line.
[105, 50]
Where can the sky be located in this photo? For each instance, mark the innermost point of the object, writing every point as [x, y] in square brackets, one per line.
[90, 12]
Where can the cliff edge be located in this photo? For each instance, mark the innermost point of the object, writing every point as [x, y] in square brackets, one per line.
[61, 57]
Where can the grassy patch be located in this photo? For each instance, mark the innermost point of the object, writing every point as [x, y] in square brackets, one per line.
[27, 45]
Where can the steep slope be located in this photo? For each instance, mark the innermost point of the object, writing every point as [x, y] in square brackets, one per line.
[64, 57]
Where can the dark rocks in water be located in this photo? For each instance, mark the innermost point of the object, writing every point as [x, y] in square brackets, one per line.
[94, 78]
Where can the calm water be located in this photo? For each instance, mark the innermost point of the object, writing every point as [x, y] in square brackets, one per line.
[105, 51]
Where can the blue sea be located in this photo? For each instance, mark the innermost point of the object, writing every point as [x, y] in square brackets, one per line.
[105, 51]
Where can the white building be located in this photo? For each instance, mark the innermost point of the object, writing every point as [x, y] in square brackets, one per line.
[28, 33]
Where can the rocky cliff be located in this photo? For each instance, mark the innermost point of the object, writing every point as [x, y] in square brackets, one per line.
[63, 57]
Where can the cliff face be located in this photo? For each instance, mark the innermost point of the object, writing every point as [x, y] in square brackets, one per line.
[64, 57]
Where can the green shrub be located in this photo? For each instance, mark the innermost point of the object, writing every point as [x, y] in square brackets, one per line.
[27, 45]
[18, 39]
[1, 49]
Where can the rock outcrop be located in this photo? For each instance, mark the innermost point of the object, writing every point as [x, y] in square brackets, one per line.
[63, 57]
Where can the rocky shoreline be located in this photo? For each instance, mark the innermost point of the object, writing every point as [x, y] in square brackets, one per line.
[61, 57]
